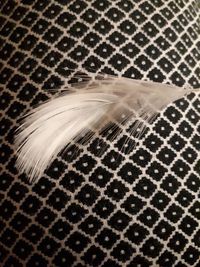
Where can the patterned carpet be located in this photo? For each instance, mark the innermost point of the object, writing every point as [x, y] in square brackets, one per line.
[102, 204]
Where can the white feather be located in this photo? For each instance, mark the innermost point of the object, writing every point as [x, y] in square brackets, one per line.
[51, 127]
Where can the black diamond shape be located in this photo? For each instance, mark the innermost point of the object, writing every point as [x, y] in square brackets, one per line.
[158, 19]
[52, 59]
[104, 50]
[5, 125]
[150, 30]
[90, 15]
[17, 191]
[129, 172]
[156, 171]
[103, 208]
[195, 209]
[141, 40]
[64, 257]
[93, 256]
[31, 205]
[100, 177]
[79, 53]
[136, 233]
[43, 187]
[48, 246]
[196, 238]
[166, 155]
[153, 142]
[52, 11]
[142, 61]
[180, 168]
[40, 26]
[34, 233]
[8, 237]
[6, 51]
[16, 82]
[85, 164]
[5, 181]
[177, 79]
[125, 5]
[29, 19]
[60, 229]
[141, 157]
[28, 43]
[189, 155]
[58, 199]
[15, 110]
[149, 217]
[123, 251]
[56, 169]
[92, 63]
[39, 75]
[166, 259]
[117, 38]
[98, 147]
[112, 159]
[78, 30]
[184, 198]
[65, 67]
[160, 200]
[177, 242]
[145, 187]
[71, 181]
[191, 255]
[87, 195]
[37, 260]
[177, 142]
[11, 260]
[140, 261]
[151, 247]
[52, 35]
[133, 73]
[116, 190]
[77, 242]
[39, 5]
[119, 221]
[78, 6]
[45, 217]
[74, 213]
[65, 44]
[19, 222]
[185, 129]
[18, 34]
[91, 39]
[27, 92]
[156, 75]
[127, 27]
[188, 225]
[114, 14]
[193, 182]
[109, 263]
[130, 50]
[133, 204]
[22, 249]
[90, 225]
[40, 50]
[174, 213]
[103, 26]
[163, 128]
[106, 238]
[192, 116]
[163, 229]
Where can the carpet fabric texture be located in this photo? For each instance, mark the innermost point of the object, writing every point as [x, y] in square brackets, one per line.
[102, 204]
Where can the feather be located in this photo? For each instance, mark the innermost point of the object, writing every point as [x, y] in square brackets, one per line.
[52, 126]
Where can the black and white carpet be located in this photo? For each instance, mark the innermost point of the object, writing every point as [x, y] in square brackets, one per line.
[99, 205]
